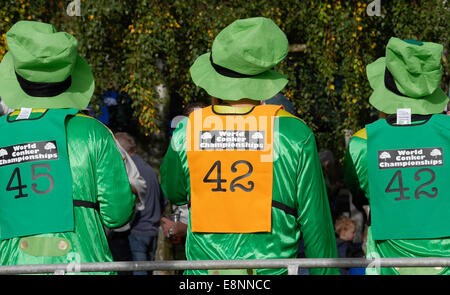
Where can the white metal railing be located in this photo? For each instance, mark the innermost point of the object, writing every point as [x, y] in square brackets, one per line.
[292, 265]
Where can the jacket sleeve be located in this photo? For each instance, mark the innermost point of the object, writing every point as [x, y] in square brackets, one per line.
[355, 166]
[113, 188]
[173, 173]
[314, 214]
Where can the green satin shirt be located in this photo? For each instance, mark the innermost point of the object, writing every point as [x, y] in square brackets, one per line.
[298, 183]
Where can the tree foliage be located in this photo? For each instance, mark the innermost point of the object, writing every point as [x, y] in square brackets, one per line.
[145, 48]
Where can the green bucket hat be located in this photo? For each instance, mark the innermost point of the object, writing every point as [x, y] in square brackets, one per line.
[42, 69]
[409, 76]
[241, 60]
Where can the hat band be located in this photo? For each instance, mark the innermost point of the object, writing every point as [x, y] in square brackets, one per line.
[43, 89]
[227, 72]
[389, 83]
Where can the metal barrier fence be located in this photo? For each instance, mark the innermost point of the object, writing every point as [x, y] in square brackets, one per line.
[292, 265]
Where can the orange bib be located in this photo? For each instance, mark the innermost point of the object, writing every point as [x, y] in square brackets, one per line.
[230, 159]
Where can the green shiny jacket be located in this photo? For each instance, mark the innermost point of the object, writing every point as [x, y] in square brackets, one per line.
[356, 178]
[298, 183]
[99, 176]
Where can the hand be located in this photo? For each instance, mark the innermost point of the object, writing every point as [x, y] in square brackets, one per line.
[179, 229]
[167, 224]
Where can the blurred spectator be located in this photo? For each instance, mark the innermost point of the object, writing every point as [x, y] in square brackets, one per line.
[143, 236]
[342, 200]
[345, 229]
[118, 237]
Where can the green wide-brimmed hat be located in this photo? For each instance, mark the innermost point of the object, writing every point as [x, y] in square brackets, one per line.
[241, 60]
[42, 69]
[409, 76]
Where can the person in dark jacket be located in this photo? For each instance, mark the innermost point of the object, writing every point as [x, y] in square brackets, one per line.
[144, 228]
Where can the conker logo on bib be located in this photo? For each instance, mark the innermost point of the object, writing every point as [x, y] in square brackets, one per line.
[405, 158]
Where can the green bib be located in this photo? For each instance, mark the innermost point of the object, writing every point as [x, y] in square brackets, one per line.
[409, 179]
[35, 175]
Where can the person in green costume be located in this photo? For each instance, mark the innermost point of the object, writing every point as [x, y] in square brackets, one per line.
[398, 162]
[238, 75]
[62, 177]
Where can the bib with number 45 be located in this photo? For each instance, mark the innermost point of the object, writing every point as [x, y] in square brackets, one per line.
[35, 176]
[409, 170]
[230, 159]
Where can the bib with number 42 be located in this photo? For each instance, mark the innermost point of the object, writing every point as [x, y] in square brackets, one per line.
[409, 170]
[35, 176]
[230, 159]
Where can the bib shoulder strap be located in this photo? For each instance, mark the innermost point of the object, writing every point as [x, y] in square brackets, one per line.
[361, 134]
[285, 114]
[87, 204]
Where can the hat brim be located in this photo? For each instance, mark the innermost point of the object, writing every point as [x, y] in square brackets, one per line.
[260, 87]
[76, 96]
[388, 102]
